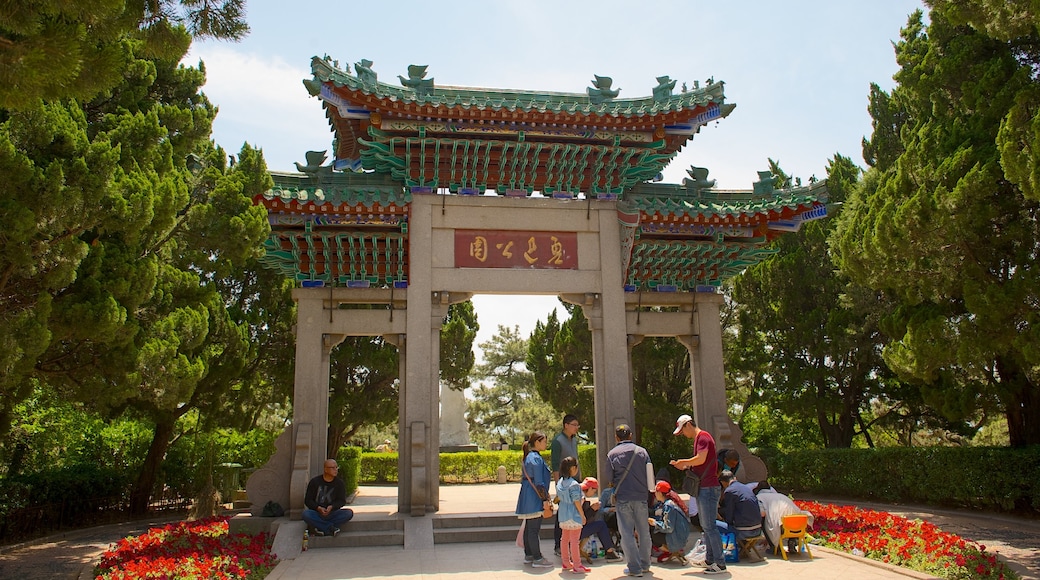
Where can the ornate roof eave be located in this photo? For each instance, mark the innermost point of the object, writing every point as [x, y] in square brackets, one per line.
[321, 185]
[465, 98]
[675, 200]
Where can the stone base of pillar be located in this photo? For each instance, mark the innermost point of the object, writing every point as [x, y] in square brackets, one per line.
[271, 482]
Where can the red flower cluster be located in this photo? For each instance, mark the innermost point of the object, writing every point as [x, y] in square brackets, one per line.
[199, 549]
[912, 544]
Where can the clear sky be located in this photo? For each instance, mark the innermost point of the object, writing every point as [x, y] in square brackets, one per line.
[799, 72]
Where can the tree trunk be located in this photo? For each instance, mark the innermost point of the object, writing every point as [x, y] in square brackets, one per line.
[142, 491]
[335, 440]
[1021, 405]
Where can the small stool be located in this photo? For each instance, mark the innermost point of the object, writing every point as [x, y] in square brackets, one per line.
[749, 547]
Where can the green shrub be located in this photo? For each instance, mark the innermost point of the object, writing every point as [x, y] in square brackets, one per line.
[989, 478]
[378, 468]
[349, 459]
[72, 485]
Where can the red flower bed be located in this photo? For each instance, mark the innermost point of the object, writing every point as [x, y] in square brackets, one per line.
[200, 549]
[909, 543]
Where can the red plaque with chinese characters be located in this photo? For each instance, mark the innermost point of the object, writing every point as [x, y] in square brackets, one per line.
[514, 249]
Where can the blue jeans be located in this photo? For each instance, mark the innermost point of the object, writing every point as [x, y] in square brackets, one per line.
[707, 511]
[532, 547]
[631, 516]
[335, 519]
[598, 527]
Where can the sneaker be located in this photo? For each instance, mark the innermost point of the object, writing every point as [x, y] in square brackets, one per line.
[335, 532]
[528, 559]
[580, 569]
[715, 569]
[635, 573]
[319, 533]
[556, 550]
[542, 563]
[612, 557]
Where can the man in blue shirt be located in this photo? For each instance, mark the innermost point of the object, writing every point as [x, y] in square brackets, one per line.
[628, 463]
[740, 509]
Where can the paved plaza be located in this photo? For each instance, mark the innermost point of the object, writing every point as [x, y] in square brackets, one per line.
[503, 560]
[72, 554]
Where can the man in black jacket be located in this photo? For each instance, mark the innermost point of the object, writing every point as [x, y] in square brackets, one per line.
[326, 495]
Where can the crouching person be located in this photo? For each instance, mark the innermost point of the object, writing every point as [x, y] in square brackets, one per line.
[326, 495]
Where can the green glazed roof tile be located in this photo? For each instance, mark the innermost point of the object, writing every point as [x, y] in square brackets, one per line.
[327, 70]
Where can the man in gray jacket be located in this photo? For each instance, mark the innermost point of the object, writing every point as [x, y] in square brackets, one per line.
[628, 463]
[564, 445]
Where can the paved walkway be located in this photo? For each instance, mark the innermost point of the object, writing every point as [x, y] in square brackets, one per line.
[72, 554]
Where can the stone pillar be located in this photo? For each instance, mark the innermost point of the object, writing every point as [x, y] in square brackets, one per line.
[708, 386]
[418, 462]
[310, 395]
[612, 369]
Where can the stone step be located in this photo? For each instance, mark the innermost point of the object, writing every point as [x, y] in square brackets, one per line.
[475, 520]
[453, 535]
[356, 539]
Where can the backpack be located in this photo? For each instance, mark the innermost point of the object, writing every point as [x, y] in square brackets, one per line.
[272, 509]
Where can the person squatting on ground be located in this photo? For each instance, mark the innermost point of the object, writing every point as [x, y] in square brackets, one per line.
[324, 500]
[776, 505]
[563, 445]
[571, 517]
[595, 521]
[740, 511]
[670, 524]
[704, 465]
[534, 498]
[628, 463]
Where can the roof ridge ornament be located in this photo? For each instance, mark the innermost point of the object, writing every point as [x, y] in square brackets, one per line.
[314, 161]
[601, 92]
[766, 183]
[698, 180]
[415, 80]
[664, 88]
[365, 73]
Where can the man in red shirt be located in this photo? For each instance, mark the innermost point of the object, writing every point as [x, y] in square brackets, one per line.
[703, 464]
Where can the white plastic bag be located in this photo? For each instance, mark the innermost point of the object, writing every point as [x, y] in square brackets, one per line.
[699, 553]
[520, 534]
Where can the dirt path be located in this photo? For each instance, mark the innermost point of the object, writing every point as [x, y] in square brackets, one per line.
[67, 554]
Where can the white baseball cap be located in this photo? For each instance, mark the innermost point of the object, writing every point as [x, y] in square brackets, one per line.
[680, 422]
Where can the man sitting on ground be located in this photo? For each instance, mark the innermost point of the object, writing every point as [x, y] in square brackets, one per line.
[325, 497]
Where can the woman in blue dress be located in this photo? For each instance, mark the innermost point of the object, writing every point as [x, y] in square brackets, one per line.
[534, 498]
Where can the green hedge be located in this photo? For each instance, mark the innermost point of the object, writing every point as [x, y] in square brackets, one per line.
[992, 478]
[349, 460]
[476, 467]
[1000, 479]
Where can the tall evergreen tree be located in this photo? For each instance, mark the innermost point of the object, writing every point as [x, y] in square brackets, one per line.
[57, 50]
[949, 227]
[559, 356]
[816, 334]
[505, 401]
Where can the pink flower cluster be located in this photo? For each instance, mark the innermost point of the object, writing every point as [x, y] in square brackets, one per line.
[912, 544]
[199, 549]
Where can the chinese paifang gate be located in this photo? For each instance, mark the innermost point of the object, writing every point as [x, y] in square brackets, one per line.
[435, 193]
